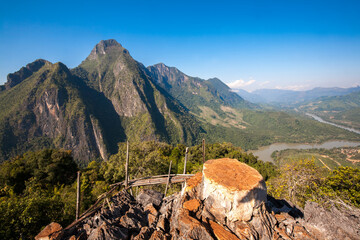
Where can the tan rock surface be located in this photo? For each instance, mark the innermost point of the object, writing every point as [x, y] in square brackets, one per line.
[193, 181]
[51, 231]
[232, 174]
[221, 233]
[192, 205]
[231, 189]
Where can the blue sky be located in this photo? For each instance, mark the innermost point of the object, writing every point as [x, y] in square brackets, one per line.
[288, 44]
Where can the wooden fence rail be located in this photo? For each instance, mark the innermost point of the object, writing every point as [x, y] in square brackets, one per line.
[146, 181]
[154, 180]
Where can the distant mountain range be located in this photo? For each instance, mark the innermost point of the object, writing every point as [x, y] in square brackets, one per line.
[110, 98]
[289, 97]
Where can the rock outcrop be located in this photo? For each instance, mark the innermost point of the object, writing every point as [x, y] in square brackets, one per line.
[232, 190]
[50, 232]
[227, 200]
[15, 78]
[336, 222]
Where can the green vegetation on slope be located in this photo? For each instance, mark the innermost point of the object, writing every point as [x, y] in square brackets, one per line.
[51, 108]
[259, 128]
[147, 112]
[110, 97]
[302, 181]
[194, 92]
[330, 158]
[37, 188]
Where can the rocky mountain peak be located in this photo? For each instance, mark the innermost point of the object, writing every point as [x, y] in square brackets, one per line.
[162, 74]
[106, 46]
[17, 77]
[162, 68]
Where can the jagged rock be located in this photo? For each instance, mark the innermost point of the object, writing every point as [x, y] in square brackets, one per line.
[191, 228]
[192, 205]
[231, 189]
[50, 232]
[147, 196]
[192, 215]
[221, 233]
[152, 213]
[162, 223]
[106, 231]
[15, 78]
[133, 219]
[150, 209]
[333, 223]
[145, 233]
[244, 231]
[159, 235]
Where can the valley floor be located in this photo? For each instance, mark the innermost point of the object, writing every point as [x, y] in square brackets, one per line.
[328, 158]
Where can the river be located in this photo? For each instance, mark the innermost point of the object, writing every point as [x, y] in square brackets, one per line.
[264, 153]
[330, 123]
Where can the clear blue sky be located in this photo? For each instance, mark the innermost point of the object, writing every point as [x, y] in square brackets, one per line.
[253, 44]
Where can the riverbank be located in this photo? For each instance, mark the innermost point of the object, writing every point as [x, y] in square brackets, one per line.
[264, 153]
[319, 119]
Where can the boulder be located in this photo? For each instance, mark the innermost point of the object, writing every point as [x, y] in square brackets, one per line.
[191, 228]
[106, 231]
[336, 222]
[147, 196]
[50, 232]
[232, 190]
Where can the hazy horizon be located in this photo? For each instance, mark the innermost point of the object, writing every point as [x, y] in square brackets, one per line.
[297, 45]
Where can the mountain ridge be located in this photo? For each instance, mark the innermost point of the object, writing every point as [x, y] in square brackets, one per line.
[47, 107]
[125, 82]
[194, 91]
[289, 97]
[110, 98]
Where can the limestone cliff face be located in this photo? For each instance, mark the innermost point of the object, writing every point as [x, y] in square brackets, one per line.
[202, 212]
[15, 78]
[147, 112]
[48, 109]
[107, 99]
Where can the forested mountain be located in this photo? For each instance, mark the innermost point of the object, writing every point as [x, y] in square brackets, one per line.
[146, 111]
[47, 109]
[107, 99]
[110, 98]
[195, 92]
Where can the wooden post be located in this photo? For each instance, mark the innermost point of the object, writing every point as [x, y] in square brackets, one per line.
[168, 180]
[78, 196]
[203, 149]
[127, 165]
[186, 155]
